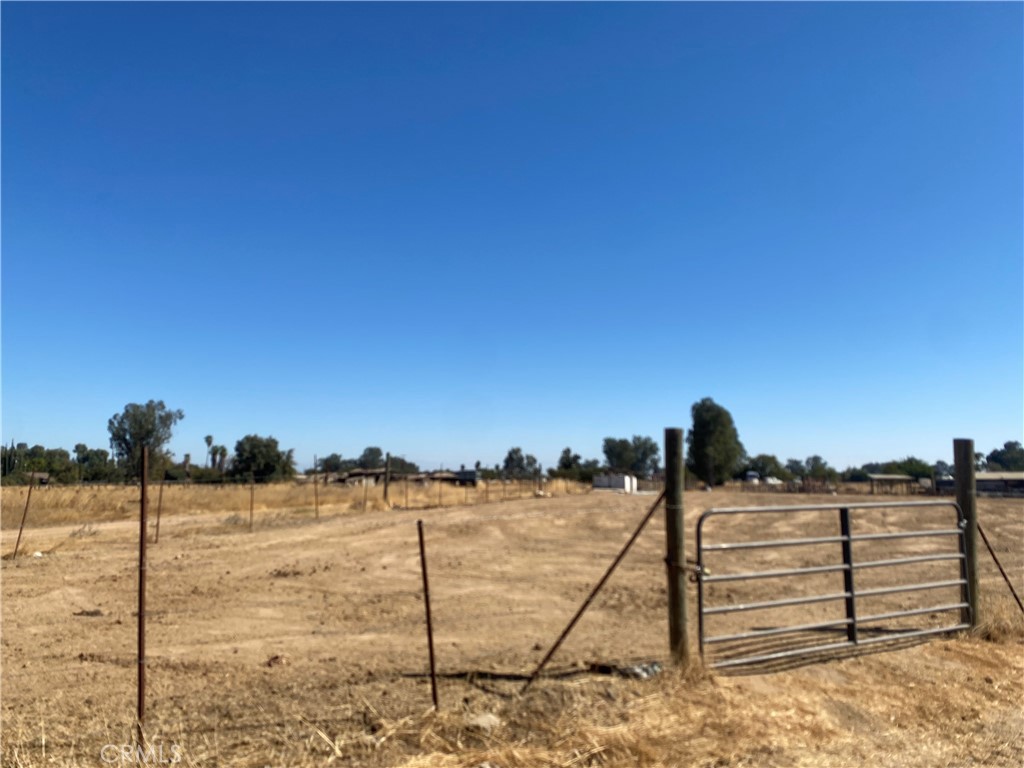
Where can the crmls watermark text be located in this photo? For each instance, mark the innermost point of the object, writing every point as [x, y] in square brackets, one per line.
[135, 754]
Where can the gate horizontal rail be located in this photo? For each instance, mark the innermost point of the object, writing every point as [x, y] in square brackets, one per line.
[854, 623]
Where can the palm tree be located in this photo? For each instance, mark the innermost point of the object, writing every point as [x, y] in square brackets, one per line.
[209, 443]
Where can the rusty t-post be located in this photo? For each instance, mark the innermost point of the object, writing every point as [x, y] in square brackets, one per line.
[430, 623]
[316, 493]
[159, 509]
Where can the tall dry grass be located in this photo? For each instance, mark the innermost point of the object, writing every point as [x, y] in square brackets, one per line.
[62, 505]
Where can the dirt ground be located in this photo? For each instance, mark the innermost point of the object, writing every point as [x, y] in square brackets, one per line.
[304, 642]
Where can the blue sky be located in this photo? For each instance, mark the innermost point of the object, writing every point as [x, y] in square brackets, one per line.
[449, 229]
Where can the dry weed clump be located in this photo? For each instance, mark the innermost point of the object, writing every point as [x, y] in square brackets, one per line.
[593, 721]
[1001, 620]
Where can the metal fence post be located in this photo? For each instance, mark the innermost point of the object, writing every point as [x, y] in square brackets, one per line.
[848, 588]
[159, 509]
[966, 497]
[316, 493]
[675, 559]
[430, 624]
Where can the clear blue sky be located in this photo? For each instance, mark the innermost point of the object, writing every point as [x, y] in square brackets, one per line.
[449, 229]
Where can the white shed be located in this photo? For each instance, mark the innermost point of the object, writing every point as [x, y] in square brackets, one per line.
[624, 483]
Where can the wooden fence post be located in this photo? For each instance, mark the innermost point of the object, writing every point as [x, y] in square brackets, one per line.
[140, 712]
[966, 497]
[675, 559]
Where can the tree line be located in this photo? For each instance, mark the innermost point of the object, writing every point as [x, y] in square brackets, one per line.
[714, 455]
[256, 458]
[372, 457]
[140, 426]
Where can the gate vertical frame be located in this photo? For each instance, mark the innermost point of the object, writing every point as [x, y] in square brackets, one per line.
[848, 585]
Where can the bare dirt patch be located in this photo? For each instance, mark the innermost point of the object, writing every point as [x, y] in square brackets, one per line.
[304, 642]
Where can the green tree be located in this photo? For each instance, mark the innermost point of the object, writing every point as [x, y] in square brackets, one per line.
[854, 475]
[588, 469]
[530, 466]
[209, 447]
[401, 466]
[796, 468]
[372, 458]
[767, 465]
[95, 465]
[645, 456]
[572, 467]
[8, 460]
[515, 463]
[569, 461]
[714, 451]
[332, 463]
[911, 465]
[263, 459]
[1009, 458]
[618, 454]
[60, 466]
[818, 469]
[139, 426]
[638, 456]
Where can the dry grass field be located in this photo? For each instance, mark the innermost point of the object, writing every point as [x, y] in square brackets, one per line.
[303, 642]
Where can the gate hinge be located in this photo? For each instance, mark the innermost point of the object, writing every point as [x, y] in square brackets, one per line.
[691, 567]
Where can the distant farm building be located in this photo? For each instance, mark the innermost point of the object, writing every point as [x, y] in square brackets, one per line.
[988, 483]
[363, 477]
[467, 477]
[374, 477]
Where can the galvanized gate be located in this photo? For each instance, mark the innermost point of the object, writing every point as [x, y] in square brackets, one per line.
[831, 577]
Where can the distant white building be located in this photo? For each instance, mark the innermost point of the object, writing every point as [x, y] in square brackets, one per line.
[624, 483]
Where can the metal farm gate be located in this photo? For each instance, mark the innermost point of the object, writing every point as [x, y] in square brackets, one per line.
[778, 583]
